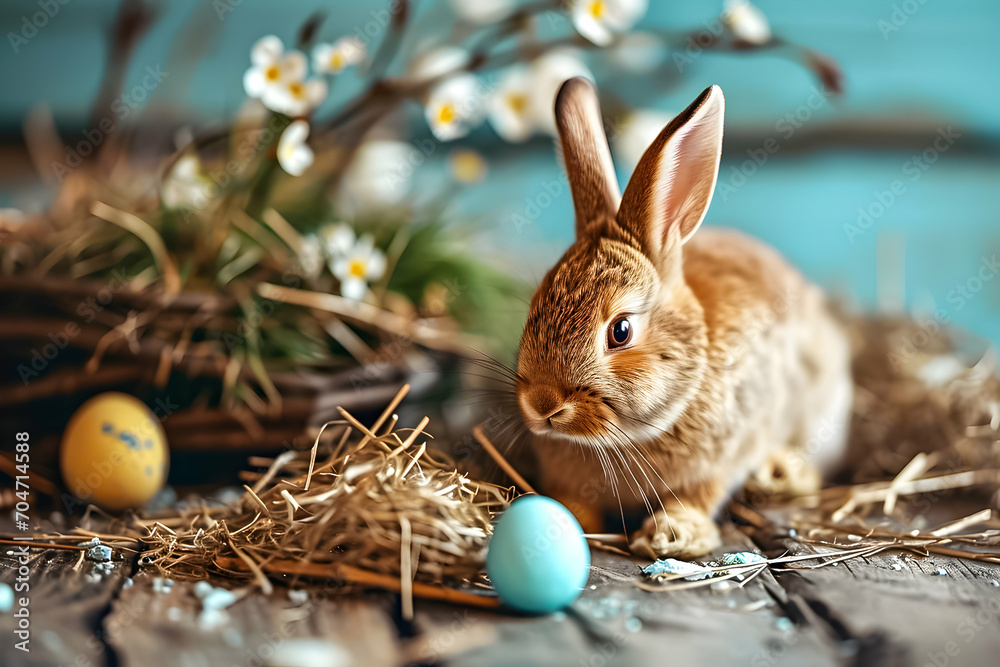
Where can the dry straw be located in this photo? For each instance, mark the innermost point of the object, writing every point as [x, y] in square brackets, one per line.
[373, 506]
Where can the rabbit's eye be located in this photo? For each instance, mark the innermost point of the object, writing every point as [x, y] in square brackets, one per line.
[620, 332]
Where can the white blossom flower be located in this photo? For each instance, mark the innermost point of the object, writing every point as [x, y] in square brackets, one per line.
[510, 105]
[747, 22]
[454, 107]
[378, 177]
[273, 69]
[638, 52]
[309, 259]
[333, 58]
[437, 62]
[362, 265]
[337, 239]
[186, 186]
[482, 12]
[467, 166]
[600, 21]
[637, 132]
[296, 98]
[294, 155]
[15, 216]
[548, 73]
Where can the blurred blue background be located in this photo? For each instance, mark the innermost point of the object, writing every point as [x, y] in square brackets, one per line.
[913, 69]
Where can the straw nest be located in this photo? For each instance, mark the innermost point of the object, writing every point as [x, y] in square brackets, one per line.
[369, 505]
[927, 400]
[926, 425]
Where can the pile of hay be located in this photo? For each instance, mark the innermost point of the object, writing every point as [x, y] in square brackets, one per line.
[371, 505]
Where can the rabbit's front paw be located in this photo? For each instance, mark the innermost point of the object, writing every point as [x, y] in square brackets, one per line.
[785, 473]
[679, 534]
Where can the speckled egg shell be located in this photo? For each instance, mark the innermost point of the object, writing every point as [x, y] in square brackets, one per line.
[114, 453]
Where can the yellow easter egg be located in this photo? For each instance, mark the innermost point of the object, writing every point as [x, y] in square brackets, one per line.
[114, 453]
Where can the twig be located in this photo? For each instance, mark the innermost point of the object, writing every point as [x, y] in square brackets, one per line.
[477, 432]
[367, 578]
[960, 524]
[917, 466]
[405, 574]
[35, 481]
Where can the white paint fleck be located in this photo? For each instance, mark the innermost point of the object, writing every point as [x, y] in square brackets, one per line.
[219, 598]
[309, 653]
[202, 589]
[6, 598]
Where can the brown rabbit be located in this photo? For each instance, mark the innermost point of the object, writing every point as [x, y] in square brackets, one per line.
[670, 365]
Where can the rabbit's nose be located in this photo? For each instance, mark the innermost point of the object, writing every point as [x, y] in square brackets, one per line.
[543, 403]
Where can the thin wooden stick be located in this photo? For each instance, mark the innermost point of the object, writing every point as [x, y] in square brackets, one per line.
[405, 565]
[389, 409]
[940, 483]
[264, 583]
[957, 526]
[917, 466]
[613, 538]
[280, 461]
[364, 577]
[257, 499]
[43, 545]
[35, 481]
[412, 437]
[477, 432]
[315, 448]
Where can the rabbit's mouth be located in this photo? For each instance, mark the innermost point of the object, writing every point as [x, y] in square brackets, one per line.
[575, 415]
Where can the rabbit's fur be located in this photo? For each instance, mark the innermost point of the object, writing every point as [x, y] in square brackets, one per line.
[735, 368]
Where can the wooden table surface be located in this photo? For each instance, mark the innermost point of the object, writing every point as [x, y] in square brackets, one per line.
[884, 610]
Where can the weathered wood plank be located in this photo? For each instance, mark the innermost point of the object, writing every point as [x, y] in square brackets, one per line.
[615, 623]
[899, 609]
[886, 610]
[149, 628]
[66, 607]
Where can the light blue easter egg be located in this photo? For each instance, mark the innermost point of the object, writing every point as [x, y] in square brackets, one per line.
[538, 559]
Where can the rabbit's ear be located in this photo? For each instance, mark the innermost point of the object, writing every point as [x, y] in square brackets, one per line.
[586, 155]
[671, 188]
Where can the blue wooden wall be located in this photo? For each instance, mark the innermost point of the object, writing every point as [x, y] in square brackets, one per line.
[912, 67]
